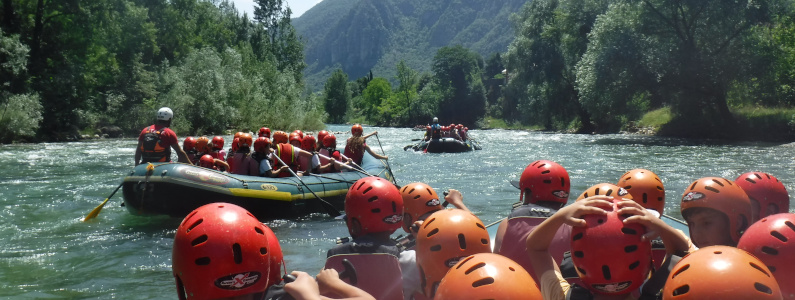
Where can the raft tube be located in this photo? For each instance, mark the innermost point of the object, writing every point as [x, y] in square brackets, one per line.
[446, 145]
[176, 189]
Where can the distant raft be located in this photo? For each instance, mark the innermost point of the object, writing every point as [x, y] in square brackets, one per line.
[446, 145]
[176, 189]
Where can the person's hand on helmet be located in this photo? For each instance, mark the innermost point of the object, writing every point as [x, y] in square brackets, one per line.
[573, 213]
[640, 215]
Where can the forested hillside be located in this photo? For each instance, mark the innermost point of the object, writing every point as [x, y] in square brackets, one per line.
[363, 35]
[71, 67]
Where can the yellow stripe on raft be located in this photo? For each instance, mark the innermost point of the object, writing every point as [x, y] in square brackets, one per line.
[282, 196]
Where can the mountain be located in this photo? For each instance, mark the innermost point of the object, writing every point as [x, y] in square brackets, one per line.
[364, 35]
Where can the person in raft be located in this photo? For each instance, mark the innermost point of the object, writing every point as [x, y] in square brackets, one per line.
[543, 189]
[242, 163]
[263, 154]
[610, 246]
[767, 194]
[217, 148]
[264, 132]
[434, 131]
[356, 145]
[207, 161]
[329, 155]
[328, 282]
[287, 150]
[717, 212]
[189, 146]
[156, 141]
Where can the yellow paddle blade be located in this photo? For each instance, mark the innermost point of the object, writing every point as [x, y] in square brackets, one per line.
[95, 212]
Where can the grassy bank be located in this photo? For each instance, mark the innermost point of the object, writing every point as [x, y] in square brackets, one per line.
[754, 123]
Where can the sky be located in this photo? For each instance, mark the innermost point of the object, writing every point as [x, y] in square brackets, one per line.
[297, 6]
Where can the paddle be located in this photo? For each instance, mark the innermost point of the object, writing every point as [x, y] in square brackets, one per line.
[388, 168]
[341, 164]
[327, 206]
[95, 212]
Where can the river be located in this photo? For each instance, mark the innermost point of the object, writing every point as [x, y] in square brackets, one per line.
[47, 252]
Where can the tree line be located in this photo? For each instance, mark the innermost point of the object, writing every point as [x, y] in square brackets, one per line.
[72, 66]
[599, 66]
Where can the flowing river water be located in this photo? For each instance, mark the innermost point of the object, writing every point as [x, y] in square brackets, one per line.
[46, 189]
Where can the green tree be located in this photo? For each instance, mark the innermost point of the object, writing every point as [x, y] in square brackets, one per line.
[378, 91]
[458, 75]
[20, 113]
[407, 79]
[337, 96]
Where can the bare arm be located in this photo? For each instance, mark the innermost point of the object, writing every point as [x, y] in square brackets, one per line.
[500, 234]
[370, 134]
[330, 283]
[138, 153]
[376, 155]
[455, 198]
[181, 155]
[303, 288]
[675, 243]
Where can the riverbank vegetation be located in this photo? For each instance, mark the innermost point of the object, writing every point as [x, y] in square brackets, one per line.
[81, 65]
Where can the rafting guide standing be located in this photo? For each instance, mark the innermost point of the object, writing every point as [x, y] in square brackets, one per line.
[156, 141]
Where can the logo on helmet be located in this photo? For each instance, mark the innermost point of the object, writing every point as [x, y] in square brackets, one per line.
[393, 219]
[451, 262]
[432, 202]
[560, 194]
[612, 287]
[622, 192]
[693, 196]
[238, 281]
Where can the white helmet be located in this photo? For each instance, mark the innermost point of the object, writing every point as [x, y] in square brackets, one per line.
[164, 114]
[435, 120]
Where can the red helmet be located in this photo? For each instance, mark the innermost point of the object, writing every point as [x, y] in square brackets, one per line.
[772, 240]
[487, 276]
[245, 141]
[238, 134]
[645, 187]
[418, 200]
[769, 193]
[720, 272]
[276, 257]
[466, 128]
[357, 129]
[220, 250]
[544, 180]
[234, 144]
[320, 135]
[261, 144]
[308, 143]
[280, 137]
[330, 140]
[375, 204]
[605, 189]
[299, 133]
[459, 127]
[610, 256]
[294, 137]
[428, 128]
[218, 143]
[444, 238]
[189, 144]
[724, 196]
[207, 161]
[202, 144]
[265, 132]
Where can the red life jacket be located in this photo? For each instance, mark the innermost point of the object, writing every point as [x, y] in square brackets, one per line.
[287, 153]
[151, 149]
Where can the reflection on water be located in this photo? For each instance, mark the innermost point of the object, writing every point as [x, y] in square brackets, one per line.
[46, 189]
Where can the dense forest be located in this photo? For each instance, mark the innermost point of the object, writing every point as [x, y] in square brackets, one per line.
[704, 68]
[71, 67]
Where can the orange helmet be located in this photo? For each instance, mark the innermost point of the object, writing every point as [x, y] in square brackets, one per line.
[375, 204]
[218, 142]
[720, 272]
[299, 133]
[245, 141]
[444, 238]
[238, 134]
[330, 140]
[772, 240]
[207, 161]
[645, 187]
[308, 143]
[294, 137]
[261, 144]
[724, 196]
[220, 250]
[280, 137]
[189, 144]
[487, 276]
[202, 144]
[357, 129]
[610, 256]
[418, 200]
[544, 180]
[605, 189]
[265, 132]
[766, 190]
